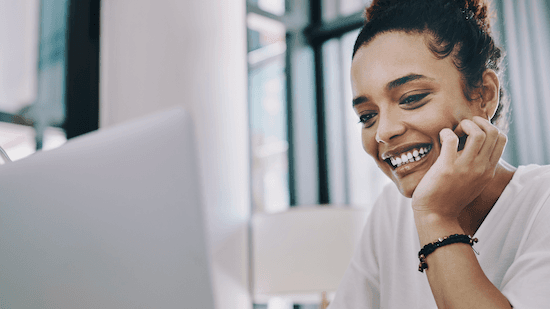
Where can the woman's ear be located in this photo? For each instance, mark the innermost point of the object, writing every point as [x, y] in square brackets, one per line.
[490, 93]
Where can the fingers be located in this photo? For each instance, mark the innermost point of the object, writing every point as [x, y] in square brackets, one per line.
[449, 143]
[474, 141]
[481, 137]
[461, 137]
[491, 136]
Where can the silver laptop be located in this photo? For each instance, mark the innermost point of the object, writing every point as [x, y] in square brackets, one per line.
[112, 219]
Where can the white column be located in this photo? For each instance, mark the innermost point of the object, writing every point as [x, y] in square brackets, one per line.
[159, 53]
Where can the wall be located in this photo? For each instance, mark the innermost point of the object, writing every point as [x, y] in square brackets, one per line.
[159, 53]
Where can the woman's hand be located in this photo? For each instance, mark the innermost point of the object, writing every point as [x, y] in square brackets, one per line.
[458, 176]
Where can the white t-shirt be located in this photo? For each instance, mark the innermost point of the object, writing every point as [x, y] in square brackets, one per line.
[514, 250]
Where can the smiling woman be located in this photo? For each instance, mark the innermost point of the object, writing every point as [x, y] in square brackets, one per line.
[409, 90]
[426, 88]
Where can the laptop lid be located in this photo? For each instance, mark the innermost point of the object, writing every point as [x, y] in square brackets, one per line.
[112, 219]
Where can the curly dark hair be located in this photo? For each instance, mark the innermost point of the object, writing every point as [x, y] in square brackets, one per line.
[457, 28]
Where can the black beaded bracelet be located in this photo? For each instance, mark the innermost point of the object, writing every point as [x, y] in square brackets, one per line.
[447, 240]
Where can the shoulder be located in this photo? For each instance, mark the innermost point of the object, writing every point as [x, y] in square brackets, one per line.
[527, 204]
[529, 189]
[530, 184]
[529, 232]
[535, 187]
[529, 176]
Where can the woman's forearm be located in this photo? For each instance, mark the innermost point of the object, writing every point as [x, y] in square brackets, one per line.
[455, 276]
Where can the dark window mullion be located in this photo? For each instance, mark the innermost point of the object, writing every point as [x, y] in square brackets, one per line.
[324, 194]
[290, 131]
[317, 20]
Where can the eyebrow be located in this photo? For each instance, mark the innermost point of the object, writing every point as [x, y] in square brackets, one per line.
[405, 79]
[392, 85]
[359, 100]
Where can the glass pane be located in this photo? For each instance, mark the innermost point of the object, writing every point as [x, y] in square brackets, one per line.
[348, 7]
[305, 158]
[339, 8]
[264, 32]
[276, 7]
[364, 177]
[268, 122]
[49, 108]
[330, 9]
[33, 74]
[335, 121]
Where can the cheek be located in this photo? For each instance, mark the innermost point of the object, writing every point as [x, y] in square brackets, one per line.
[369, 143]
[431, 122]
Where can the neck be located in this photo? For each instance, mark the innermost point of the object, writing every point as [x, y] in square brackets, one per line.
[472, 216]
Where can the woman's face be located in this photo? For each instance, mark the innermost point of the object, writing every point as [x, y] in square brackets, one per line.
[404, 96]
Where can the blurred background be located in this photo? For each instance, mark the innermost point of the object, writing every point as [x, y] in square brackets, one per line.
[267, 82]
[49, 61]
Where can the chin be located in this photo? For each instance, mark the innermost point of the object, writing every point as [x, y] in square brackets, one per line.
[406, 192]
[406, 188]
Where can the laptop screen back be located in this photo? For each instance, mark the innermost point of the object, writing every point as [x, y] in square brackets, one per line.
[112, 219]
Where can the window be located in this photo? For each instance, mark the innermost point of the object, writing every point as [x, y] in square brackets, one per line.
[49, 89]
[32, 106]
[305, 137]
[268, 114]
[306, 145]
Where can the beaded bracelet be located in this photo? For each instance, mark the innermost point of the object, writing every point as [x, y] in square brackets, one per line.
[447, 240]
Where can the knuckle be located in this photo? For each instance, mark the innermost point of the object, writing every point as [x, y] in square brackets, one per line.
[493, 132]
[478, 136]
[479, 171]
[466, 122]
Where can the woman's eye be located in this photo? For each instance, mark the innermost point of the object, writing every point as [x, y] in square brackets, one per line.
[410, 100]
[367, 119]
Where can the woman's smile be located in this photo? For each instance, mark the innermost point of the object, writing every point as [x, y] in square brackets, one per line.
[404, 96]
[400, 158]
[408, 162]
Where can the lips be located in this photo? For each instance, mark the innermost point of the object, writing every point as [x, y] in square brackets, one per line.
[408, 155]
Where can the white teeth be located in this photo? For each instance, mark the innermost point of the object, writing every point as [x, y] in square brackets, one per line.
[408, 157]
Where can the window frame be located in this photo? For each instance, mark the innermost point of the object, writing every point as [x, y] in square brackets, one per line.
[307, 32]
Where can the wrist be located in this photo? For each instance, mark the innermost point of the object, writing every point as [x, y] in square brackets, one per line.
[433, 218]
[441, 242]
[432, 226]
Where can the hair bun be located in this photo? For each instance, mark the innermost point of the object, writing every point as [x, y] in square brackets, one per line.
[472, 9]
[478, 10]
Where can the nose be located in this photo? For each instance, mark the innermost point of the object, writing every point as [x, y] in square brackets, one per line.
[389, 127]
